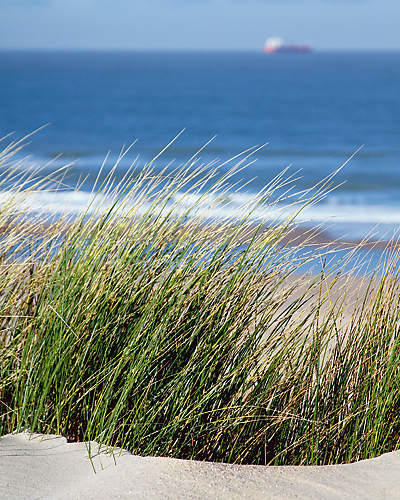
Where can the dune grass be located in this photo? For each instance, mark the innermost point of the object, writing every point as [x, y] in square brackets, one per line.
[144, 325]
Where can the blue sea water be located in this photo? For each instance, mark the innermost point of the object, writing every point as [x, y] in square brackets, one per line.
[313, 111]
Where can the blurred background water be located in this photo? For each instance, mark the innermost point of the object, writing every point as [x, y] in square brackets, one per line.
[313, 110]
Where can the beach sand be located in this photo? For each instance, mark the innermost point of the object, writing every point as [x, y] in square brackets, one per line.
[47, 467]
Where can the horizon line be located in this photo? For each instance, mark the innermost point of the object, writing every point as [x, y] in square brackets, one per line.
[166, 50]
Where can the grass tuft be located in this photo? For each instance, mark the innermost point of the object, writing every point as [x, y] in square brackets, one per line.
[145, 324]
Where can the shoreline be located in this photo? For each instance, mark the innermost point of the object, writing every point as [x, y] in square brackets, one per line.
[315, 236]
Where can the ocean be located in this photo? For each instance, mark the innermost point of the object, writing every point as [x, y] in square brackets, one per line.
[310, 111]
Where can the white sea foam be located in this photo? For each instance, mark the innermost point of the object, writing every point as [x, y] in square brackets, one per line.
[235, 205]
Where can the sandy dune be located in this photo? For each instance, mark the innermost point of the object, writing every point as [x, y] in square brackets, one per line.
[47, 467]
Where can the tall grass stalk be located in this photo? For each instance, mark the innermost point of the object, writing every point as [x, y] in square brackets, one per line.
[143, 324]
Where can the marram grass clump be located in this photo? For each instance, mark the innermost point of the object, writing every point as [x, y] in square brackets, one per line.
[145, 325]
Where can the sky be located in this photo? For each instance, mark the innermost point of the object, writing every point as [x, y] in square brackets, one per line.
[198, 24]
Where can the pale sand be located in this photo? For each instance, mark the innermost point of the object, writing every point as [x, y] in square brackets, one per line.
[47, 467]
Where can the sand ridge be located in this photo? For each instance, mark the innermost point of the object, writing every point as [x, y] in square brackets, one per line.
[35, 466]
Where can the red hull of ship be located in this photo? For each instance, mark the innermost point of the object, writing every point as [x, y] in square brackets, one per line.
[288, 49]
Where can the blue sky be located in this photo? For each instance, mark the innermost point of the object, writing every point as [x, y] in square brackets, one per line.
[198, 24]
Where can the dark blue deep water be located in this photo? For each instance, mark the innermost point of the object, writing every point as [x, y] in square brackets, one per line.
[313, 110]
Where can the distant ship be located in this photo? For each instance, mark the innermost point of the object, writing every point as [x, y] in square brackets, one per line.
[277, 46]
